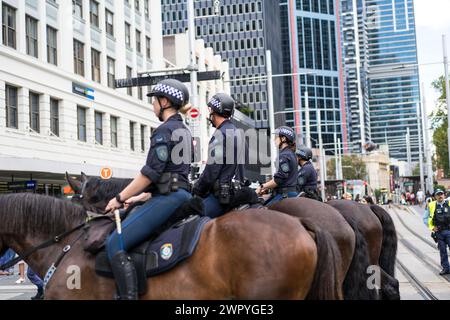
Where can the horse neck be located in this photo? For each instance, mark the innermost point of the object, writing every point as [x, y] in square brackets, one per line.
[41, 260]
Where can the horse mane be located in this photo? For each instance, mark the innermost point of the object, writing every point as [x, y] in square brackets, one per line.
[33, 214]
[107, 189]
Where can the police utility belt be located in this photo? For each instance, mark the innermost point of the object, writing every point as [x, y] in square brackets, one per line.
[225, 191]
[284, 191]
[169, 182]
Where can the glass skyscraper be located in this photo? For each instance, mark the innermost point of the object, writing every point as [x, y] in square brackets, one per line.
[388, 71]
[311, 47]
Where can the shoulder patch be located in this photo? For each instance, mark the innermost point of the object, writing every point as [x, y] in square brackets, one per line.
[162, 152]
[285, 167]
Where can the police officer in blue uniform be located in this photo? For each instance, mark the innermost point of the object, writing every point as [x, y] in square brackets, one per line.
[284, 182]
[166, 178]
[223, 169]
[307, 175]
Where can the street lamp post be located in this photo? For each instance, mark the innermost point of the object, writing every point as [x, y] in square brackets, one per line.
[447, 88]
[322, 156]
[273, 152]
[419, 126]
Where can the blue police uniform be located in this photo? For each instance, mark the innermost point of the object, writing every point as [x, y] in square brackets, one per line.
[220, 171]
[285, 177]
[307, 178]
[159, 208]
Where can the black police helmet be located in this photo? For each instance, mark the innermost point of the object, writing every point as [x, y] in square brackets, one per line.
[175, 91]
[438, 191]
[286, 132]
[222, 104]
[304, 153]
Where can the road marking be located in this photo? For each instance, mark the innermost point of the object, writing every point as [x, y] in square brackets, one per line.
[20, 288]
[9, 296]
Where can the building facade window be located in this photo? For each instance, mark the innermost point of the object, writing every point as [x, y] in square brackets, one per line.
[34, 111]
[77, 8]
[99, 127]
[94, 13]
[146, 9]
[111, 72]
[114, 132]
[109, 21]
[54, 116]
[143, 129]
[128, 35]
[138, 41]
[32, 36]
[78, 57]
[52, 46]
[147, 46]
[132, 125]
[137, 5]
[95, 65]
[140, 93]
[81, 123]
[129, 75]
[9, 26]
[11, 106]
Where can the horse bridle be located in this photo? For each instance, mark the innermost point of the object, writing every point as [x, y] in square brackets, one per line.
[48, 243]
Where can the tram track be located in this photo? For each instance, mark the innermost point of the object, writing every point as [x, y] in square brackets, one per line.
[416, 283]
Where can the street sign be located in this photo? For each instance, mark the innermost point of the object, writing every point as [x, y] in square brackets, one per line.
[106, 173]
[83, 91]
[194, 113]
[22, 185]
[152, 80]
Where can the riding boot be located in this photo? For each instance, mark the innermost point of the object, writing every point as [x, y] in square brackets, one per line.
[125, 275]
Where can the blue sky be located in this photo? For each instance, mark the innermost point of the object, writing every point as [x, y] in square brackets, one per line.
[432, 21]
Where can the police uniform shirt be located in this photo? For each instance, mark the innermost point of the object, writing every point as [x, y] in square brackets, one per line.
[442, 214]
[286, 176]
[159, 158]
[222, 169]
[307, 177]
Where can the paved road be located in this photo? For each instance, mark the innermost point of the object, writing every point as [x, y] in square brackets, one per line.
[418, 252]
[9, 290]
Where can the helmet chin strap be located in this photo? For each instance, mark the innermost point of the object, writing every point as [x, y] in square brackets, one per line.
[211, 120]
[161, 110]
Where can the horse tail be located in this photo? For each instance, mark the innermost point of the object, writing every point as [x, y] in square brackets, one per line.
[389, 243]
[325, 285]
[355, 282]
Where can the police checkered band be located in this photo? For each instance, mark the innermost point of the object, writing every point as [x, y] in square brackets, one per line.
[215, 103]
[285, 132]
[171, 91]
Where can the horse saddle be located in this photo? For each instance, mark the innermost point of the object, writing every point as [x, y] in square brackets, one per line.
[244, 198]
[160, 254]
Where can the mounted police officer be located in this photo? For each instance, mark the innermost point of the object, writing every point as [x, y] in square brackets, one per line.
[307, 175]
[224, 169]
[166, 178]
[284, 182]
[439, 222]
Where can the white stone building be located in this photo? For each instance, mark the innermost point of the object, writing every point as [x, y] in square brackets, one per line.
[58, 109]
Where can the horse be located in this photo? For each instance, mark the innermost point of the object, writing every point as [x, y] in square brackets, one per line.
[241, 255]
[379, 232]
[351, 242]
[95, 193]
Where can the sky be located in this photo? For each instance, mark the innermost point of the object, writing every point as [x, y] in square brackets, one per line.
[432, 21]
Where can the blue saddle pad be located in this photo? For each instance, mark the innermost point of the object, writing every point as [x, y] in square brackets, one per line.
[162, 253]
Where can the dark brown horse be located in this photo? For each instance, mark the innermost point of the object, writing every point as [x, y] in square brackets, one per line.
[242, 255]
[379, 232]
[94, 194]
[351, 242]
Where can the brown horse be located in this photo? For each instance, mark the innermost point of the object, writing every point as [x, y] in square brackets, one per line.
[379, 232]
[242, 255]
[352, 245]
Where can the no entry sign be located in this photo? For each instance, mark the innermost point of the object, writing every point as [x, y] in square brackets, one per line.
[194, 113]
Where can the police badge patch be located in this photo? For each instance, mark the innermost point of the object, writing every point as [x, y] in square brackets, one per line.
[285, 167]
[162, 153]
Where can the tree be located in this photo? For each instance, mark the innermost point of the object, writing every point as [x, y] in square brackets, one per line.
[439, 123]
[353, 168]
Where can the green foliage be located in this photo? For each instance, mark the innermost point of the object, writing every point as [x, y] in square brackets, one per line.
[353, 168]
[439, 123]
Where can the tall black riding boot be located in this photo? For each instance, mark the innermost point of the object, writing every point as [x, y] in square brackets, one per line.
[125, 275]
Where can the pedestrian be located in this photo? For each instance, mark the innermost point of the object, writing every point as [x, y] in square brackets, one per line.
[347, 196]
[165, 177]
[357, 198]
[420, 197]
[284, 181]
[7, 256]
[37, 281]
[216, 185]
[438, 218]
[369, 200]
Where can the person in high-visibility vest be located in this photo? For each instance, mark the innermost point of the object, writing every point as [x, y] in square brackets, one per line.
[438, 221]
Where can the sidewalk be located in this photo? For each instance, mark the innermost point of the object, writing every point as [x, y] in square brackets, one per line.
[9, 290]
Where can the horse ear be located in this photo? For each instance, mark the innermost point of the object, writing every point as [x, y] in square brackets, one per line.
[74, 184]
[84, 177]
